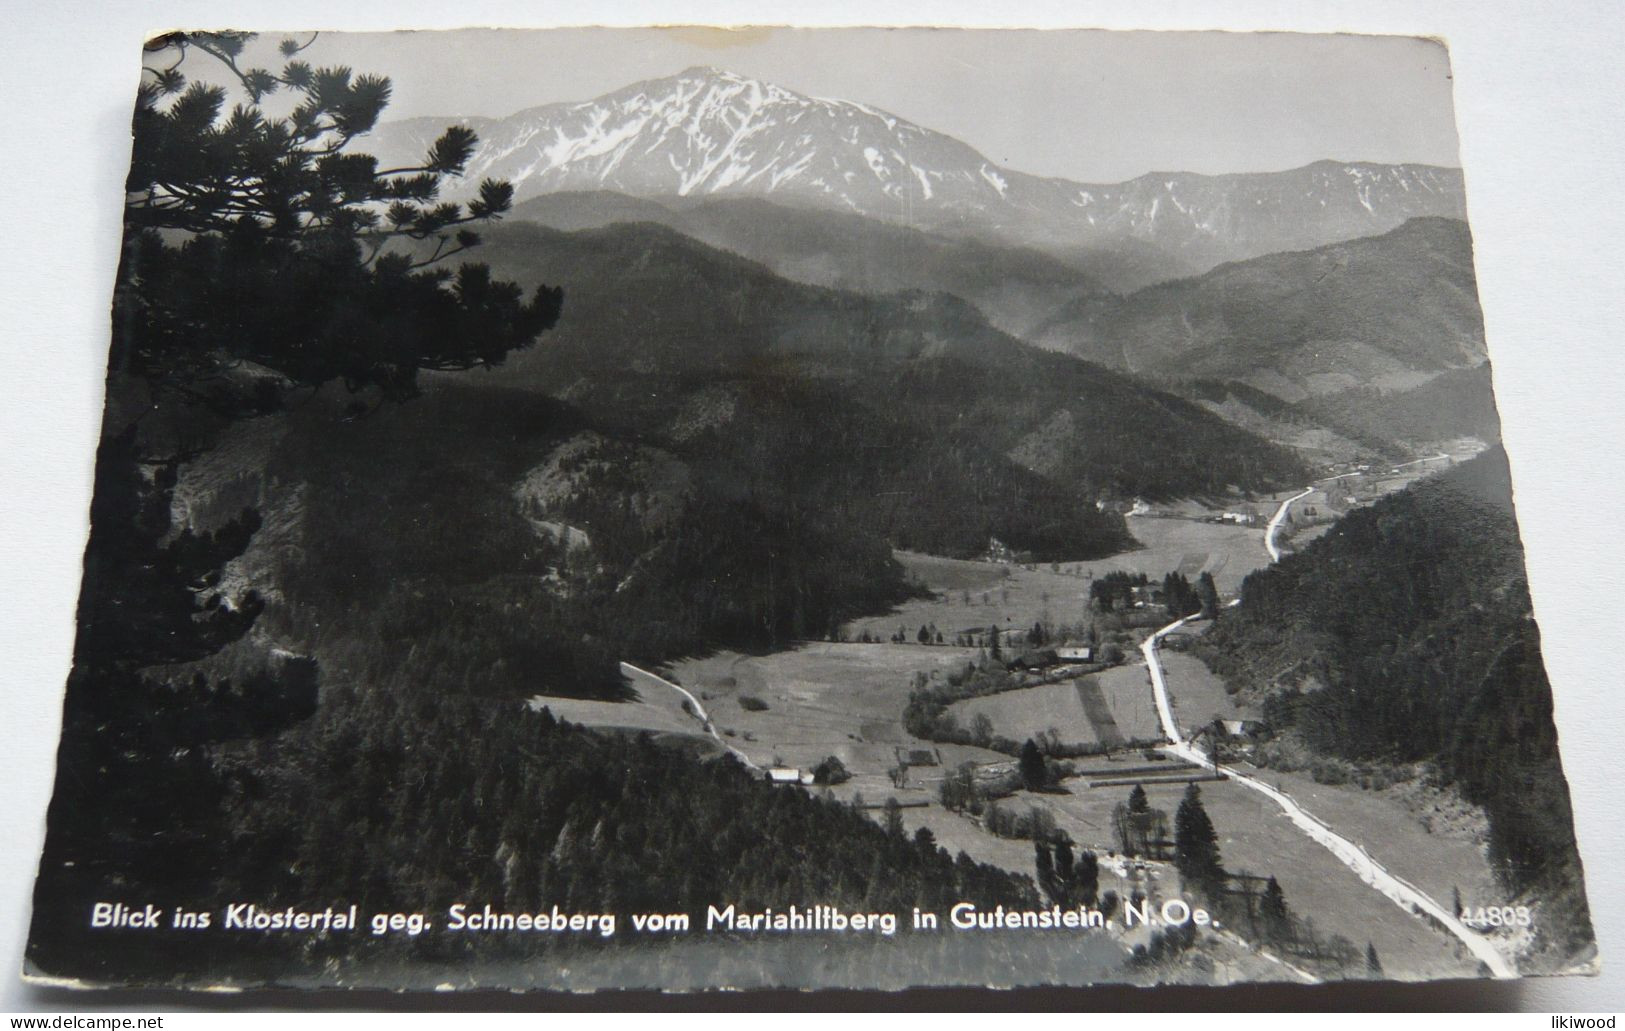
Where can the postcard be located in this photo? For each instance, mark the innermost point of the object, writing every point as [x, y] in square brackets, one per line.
[697, 508]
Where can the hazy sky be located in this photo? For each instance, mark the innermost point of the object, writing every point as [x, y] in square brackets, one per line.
[1090, 106]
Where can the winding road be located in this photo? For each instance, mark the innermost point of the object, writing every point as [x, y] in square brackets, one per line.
[1404, 894]
[634, 673]
[1280, 513]
[1275, 523]
[1440, 457]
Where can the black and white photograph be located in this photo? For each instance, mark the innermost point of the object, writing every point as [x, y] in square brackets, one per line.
[771, 508]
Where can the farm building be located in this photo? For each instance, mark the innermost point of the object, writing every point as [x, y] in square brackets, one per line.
[1142, 595]
[1074, 651]
[786, 775]
[1243, 728]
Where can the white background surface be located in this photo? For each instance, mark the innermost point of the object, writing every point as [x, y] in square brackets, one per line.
[1538, 96]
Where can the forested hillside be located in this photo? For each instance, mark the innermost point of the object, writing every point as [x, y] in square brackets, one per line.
[583, 820]
[1453, 404]
[1406, 634]
[410, 563]
[409, 803]
[1387, 311]
[1360, 424]
[1318, 434]
[1014, 288]
[662, 332]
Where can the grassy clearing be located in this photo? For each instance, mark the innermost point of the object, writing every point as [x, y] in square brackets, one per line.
[1196, 693]
[1391, 828]
[651, 713]
[950, 574]
[958, 834]
[656, 708]
[1105, 708]
[972, 596]
[1191, 548]
[1255, 837]
[824, 699]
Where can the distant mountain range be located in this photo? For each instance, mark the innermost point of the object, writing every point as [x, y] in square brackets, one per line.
[1313, 307]
[912, 411]
[1359, 348]
[706, 134]
[1016, 288]
[1341, 351]
[1387, 312]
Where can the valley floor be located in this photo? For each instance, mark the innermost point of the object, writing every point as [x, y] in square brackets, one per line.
[797, 707]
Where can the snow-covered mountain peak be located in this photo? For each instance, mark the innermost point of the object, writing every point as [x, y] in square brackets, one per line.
[707, 132]
[704, 131]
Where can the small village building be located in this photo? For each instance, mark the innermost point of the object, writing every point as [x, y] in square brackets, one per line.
[1074, 651]
[784, 775]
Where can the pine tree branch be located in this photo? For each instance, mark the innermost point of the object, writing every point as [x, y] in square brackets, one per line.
[438, 257]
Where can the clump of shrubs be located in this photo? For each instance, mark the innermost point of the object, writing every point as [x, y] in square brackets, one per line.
[1005, 822]
[750, 703]
[1165, 945]
[831, 771]
[1329, 772]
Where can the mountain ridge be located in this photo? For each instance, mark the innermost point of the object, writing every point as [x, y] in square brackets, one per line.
[705, 132]
[663, 334]
[1014, 287]
[1388, 311]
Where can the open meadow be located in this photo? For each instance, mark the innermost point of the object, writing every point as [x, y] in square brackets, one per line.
[968, 596]
[657, 708]
[1429, 838]
[1256, 838]
[1111, 708]
[822, 699]
[1196, 693]
[1189, 547]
